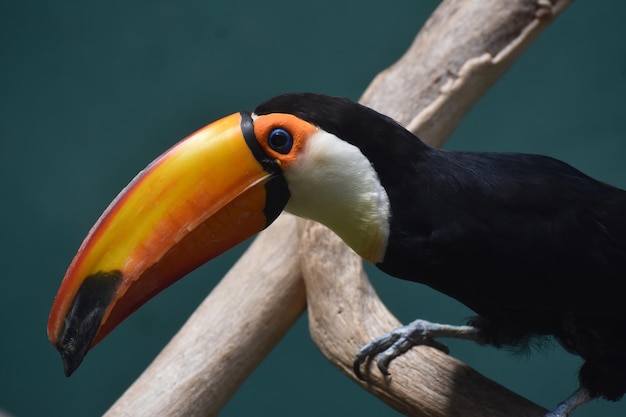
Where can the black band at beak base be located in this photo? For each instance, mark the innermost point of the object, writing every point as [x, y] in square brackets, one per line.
[276, 188]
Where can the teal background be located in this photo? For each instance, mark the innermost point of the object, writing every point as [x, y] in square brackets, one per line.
[91, 92]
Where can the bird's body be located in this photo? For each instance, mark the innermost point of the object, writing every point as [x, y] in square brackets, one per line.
[530, 244]
[535, 247]
[511, 231]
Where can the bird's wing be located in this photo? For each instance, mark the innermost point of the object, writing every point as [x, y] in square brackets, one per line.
[529, 232]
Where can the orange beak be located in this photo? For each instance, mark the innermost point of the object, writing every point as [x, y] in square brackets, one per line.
[205, 195]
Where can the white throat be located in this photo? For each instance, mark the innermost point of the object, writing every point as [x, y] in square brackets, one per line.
[333, 183]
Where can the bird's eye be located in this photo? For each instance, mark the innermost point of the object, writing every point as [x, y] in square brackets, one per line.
[280, 140]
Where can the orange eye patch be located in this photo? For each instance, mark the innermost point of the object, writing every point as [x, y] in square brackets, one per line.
[282, 136]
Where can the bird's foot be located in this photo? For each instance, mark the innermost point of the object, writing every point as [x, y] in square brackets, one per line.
[393, 344]
[580, 397]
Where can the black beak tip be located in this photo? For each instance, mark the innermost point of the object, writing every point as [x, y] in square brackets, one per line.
[85, 316]
[72, 356]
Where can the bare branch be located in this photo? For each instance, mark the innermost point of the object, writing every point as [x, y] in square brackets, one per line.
[461, 51]
[229, 334]
[345, 313]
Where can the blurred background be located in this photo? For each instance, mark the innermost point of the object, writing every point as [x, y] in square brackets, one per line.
[91, 92]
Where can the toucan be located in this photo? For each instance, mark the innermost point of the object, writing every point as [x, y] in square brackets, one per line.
[533, 246]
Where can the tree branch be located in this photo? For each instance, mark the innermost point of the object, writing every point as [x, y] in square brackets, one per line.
[229, 334]
[461, 51]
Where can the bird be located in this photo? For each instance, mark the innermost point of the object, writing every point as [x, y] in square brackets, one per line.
[533, 246]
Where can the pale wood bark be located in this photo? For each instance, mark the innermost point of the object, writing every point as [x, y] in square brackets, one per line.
[229, 334]
[461, 51]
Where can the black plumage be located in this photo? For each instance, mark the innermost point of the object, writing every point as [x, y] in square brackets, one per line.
[532, 245]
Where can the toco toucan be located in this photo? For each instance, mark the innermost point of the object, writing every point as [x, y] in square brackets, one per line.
[535, 247]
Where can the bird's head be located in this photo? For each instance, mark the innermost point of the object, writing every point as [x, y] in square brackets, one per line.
[315, 156]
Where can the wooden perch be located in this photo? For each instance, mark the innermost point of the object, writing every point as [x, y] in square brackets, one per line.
[462, 50]
[231, 332]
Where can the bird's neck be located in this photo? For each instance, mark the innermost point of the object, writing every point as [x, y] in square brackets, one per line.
[345, 196]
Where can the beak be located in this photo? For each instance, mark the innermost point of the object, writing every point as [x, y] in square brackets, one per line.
[205, 195]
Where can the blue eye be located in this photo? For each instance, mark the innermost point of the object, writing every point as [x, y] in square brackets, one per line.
[280, 140]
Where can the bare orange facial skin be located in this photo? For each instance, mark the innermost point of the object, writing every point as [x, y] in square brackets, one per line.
[299, 129]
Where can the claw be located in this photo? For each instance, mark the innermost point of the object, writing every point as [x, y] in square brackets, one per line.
[371, 350]
[579, 397]
[356, 368]
[387, 347]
